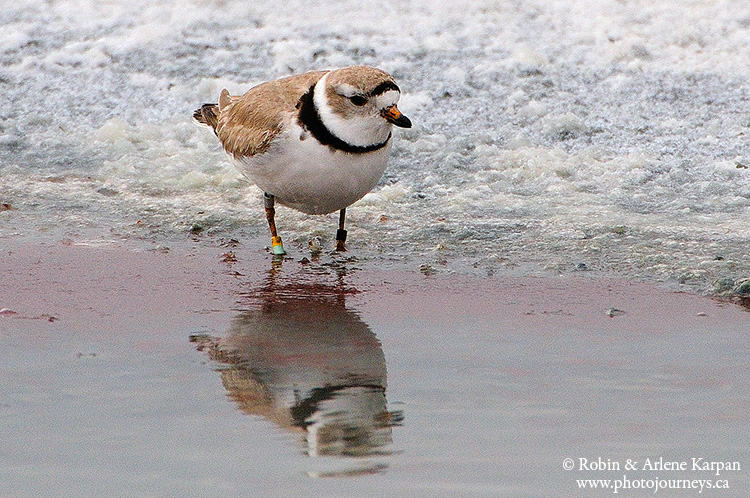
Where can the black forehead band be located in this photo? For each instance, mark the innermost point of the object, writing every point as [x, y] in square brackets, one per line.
[384, 87]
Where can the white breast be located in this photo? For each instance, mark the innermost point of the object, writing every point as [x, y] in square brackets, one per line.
[313, 178]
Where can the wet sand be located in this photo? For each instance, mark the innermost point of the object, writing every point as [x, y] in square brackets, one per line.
[194, 372]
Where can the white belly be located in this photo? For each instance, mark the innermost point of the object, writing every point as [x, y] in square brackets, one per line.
[313, 178]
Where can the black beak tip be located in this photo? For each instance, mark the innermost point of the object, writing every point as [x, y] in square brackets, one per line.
[403, 122]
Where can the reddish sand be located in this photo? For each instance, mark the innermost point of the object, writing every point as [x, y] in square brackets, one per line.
[111, 284]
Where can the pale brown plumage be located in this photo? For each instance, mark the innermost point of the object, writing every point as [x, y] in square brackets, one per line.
[247, 124]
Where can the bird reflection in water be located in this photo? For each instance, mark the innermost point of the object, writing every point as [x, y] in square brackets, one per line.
[301, 358]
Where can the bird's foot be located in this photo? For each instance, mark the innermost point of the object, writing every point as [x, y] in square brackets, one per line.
[341, 240]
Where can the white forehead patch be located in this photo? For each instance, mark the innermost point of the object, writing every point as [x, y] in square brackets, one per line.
[387, 99]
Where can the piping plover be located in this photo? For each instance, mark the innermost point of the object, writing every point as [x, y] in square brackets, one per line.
[316, 142]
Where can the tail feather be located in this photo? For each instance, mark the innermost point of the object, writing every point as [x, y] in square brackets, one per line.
[207, 115]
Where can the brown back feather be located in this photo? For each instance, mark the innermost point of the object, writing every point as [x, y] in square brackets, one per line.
[248, 124]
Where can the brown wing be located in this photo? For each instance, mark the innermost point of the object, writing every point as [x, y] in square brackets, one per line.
[248, 124]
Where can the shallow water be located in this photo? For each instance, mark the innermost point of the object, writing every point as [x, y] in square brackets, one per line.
[549, 137]
[334, 379]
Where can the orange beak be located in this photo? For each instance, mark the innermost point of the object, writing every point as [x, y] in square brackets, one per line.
[394, 116]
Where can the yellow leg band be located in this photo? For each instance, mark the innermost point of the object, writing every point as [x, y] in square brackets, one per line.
[276, 246]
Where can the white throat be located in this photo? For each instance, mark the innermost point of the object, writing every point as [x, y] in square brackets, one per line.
[361, 131]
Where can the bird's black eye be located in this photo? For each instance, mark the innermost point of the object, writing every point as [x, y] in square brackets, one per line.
[358, 100]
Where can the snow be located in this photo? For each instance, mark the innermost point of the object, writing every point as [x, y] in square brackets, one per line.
[541, 127]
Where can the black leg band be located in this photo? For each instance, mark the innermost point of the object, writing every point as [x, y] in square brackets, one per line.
[341, 235]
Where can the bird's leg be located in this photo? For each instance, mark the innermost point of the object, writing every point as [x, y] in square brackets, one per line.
[341, 233]
[277, 247]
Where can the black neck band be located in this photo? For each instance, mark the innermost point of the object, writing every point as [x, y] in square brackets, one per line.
[309, 118]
